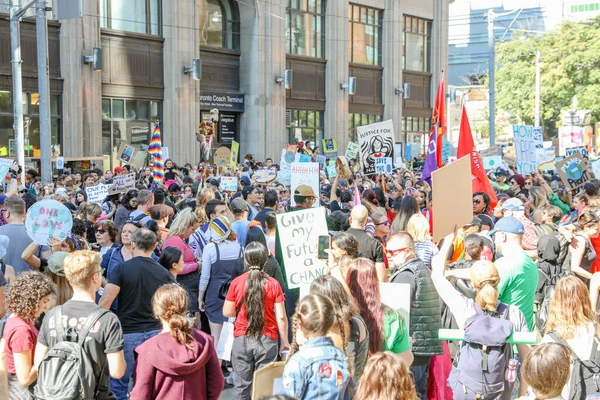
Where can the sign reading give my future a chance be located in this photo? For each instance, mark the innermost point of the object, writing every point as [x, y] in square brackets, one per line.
[299, 233]
[48, 219]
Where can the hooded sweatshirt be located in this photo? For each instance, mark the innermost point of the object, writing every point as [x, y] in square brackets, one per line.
[549, 271]
[167, 370]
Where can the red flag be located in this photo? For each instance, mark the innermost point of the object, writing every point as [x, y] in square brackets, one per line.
[438, 118]
[466, 146]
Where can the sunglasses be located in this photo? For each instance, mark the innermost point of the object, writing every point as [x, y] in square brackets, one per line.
[283, 192]
[394, 253]
[476, 201]
[101, 231]
[386, 223]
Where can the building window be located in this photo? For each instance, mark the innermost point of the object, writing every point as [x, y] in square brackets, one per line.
[305, 22]
[141, 16]
[305, 125]
[356, 120]
[416, 134]
[416, 39]
[129, 121]
[365, 35]
[220, 24]
[31, 117]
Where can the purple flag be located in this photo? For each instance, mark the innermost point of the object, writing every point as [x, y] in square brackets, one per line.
[431, 160]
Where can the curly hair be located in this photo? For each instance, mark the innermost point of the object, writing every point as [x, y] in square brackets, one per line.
[385, 377]
[24, 294]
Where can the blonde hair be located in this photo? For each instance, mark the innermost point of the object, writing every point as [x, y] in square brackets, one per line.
[92, 209]
[183, 221]
[539, 197]
[570, 308]
[385, 377]
[80, 266]
[418, 227]
[170, 303]
[546, 369]
[485, 279]
[204, 196]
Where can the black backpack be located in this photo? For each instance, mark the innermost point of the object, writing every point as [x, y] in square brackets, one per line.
[585, 375]
[67, 372]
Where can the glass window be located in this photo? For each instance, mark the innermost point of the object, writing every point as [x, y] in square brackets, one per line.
[416, 38]
[355, 120]
[141, 16]
[306, 126]
[105, 108]
[219, 24]
[365, 35]
[416, 133]
[305, 28]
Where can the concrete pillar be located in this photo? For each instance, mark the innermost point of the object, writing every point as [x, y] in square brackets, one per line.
[392, 65]
[181, 104]
[262, 43]
[336, 72]
[82, 87]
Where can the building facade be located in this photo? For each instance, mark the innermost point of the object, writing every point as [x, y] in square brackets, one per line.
[244, 47]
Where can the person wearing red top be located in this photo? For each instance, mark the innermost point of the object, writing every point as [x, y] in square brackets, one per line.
[257, 302]
[26, 299]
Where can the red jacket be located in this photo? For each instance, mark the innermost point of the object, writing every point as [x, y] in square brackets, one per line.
[167, 370]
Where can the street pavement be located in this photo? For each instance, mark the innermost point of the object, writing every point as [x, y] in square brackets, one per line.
[227, 394]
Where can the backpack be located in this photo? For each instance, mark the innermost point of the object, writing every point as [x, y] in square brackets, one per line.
[585, 375]
[480, 370]
[67, 372]
[544, 229]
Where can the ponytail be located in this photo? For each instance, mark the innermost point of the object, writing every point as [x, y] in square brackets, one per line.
[317, 315]
[255, 257]
[485, 279]
[170, 303]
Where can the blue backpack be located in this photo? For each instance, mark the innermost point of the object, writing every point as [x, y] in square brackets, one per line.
[480, 370]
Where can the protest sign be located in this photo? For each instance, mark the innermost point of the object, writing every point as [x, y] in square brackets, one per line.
[235, 149]
[489, 152]
[299, 232]
[48, 219]
[452, 182]
[573, 171]
[139, 158]
[596, 168]
[60, 163]
[492, 162]
[305, 174]
[5, 164]
[569, 136]
[331, 171]
[267, 380]
[352, 150]
[579, 149]
[122, 183]
[126, 153]
[265, 175]
[165, 153]
[229, 183]
[97, 194]
[546, 158]
[322, 160]
[330, 148]
[398, 154]
[538, 137]
[396, 297]
[222, 156]
[304, 158]
[288, 156]
[525, 145]
[376, 141]
[383, 165]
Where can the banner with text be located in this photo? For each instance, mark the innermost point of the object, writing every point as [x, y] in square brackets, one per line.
[97, 194]
[122, 183]
[305, 174]
[573, 171]
[376, 141]
[383, 165]
[526, 140]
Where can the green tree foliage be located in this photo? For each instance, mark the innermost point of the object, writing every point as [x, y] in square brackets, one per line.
[570, 67]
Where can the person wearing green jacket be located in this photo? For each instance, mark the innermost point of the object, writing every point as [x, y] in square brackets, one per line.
[552, 197]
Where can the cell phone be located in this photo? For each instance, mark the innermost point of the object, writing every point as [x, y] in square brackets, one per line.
[324, 243]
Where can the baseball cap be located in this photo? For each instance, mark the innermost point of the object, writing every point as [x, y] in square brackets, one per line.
[2, 198]
[119, 169]
[304, 190]
[238, 205]
[501, 171]
[213, 182]
[476, 221]
[247, 190]
[326, 189]
[509, 225]
[56, 263]
[513, 204]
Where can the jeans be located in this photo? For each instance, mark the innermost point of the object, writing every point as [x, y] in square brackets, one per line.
[248, 355]
[121, 387]
[420, 373]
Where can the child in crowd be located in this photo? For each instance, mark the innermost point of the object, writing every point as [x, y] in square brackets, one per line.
[386, 377]
[546, 371]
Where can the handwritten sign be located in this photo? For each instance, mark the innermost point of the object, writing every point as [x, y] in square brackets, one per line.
[122, 183]
[573, 171]
[235, 150]
[97, 194]
[229, 183]
[331, 170]
[299, 233]
[165, 153]
[546, 158]
[489, 152]
[579, 149]
[305, 174]
[376, 141]
[525, 147]
[305, 158]
[383, 165]
[222, 156]
[48, 219]
[492, 162]
[352, 150]
[570, 136]
[5, 164]
[322, 160]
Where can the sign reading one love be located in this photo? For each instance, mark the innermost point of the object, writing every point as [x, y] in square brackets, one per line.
[299, 233]
[48, 219]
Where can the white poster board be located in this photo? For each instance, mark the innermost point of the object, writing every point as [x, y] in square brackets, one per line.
[97, 194]
[60, 163]
[492, 162]
[5, 164]
[397, 297]
[48, 219]
[376, 141]
[229, 183]
[284, 175]
[352, 150]
[299, 233]
[122, 183]
[525, 148]
[305, 174]
[596, 168]
[383, 165]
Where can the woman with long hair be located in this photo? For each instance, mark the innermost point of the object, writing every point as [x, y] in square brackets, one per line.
[537, 201]
[485, 279]
[80, 198]
[386, 377]
[387, 328]
[344, 250]
[202, 198]
[172, 259]
[350, 333]
[180, 363]
[581, 250]
[256, 302]
[56, 272]
[408, 207]
[128, 204]
[571, 320]
[418, 227]
[184, 224]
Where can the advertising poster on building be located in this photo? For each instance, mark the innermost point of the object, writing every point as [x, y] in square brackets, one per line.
[97, 194]
[228, 128]
[573, 171]
[299, 234]
[330, 148]
[48, 219]
[525, 148]
[305, 174]
[122, 183]
[375, 141]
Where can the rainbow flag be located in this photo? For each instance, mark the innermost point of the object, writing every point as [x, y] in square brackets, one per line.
[155, 150]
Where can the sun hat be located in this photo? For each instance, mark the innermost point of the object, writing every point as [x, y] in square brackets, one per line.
[220, 229]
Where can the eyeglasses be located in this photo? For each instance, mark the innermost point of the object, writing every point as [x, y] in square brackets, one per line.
[394, 253]
[476, 201]
[283, 192]
[386, 223]
[101, 231]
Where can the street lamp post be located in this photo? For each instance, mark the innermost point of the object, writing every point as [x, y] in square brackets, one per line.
[492, 77]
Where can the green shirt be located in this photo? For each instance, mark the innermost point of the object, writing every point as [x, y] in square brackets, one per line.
[395, 332]
[518, 282]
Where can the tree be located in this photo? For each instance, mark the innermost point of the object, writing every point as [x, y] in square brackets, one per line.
[570, 67]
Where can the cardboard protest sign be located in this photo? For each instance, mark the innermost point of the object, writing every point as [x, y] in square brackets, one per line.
[376, 141]
[299, 232]
[305, 174]
[126, 153]
[97, 194]
[267, 380]
[352, 150]
[525, 147]
[229, 183]
[235, 150]
[397, 298]
[579, 149]
[573, 171]
[222, 157]
[330, 148]
[265, 175]
[122, 183]
[48, 219]
[383, 165]
[492, 162]
[452, 186]
[489, 152]
[5, 164]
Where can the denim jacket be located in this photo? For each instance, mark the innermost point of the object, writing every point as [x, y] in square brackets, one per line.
[319, 371]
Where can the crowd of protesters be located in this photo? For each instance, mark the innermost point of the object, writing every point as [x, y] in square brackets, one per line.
[174, 262]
